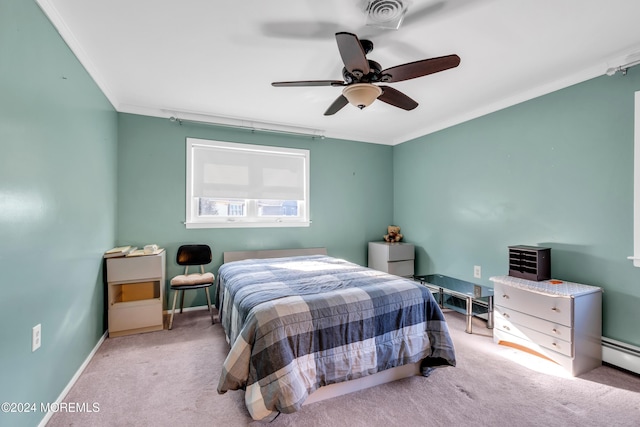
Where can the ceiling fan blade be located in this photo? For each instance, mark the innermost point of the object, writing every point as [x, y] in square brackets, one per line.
[419, 68]
[396, 98]
[309, 83]
[337, 105]
[352, 53]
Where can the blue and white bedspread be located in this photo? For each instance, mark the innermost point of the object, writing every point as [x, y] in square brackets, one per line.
[296, 324]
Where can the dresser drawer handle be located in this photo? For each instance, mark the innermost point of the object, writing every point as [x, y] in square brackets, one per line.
[506, 315]
[505, 296]
[555, 344]
[556, 309]
[506, 327]
[555, 331]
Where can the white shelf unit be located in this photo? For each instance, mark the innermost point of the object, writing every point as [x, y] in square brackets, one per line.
[135, 293]
[559, 320]
[394, 258]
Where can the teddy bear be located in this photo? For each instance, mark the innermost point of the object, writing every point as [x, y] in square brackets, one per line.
[393, 234]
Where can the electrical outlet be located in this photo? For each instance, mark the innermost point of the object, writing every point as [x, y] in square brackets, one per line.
[36, 337]
[477, 272]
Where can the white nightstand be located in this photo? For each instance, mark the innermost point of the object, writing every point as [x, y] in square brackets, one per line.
[394, 258]
[135, 294]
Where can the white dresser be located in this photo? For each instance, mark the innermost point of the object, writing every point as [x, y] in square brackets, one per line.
[395, 258]
[556, 319]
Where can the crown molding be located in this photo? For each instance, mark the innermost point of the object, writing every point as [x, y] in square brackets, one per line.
[83, 57]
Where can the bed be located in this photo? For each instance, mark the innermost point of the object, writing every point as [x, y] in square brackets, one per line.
[304, 326]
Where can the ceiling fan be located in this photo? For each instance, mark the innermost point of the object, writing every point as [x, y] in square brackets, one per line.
[360, 74]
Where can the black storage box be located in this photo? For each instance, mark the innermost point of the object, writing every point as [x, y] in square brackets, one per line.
[530, 262]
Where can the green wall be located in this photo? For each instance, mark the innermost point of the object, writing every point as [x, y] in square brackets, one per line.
[57, 208]
[350, 187]
[556, 171]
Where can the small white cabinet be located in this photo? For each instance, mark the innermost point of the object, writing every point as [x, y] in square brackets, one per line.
[394, 258]
[559, 320]
[135, 294]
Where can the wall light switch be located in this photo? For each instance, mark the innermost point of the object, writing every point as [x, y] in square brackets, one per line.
[477, 272]
[36, 337]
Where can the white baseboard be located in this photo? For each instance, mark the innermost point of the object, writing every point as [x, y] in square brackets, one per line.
[622, 355]
[73, 380]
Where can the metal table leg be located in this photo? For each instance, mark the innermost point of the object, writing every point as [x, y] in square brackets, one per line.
[469, 314]
[490, 312]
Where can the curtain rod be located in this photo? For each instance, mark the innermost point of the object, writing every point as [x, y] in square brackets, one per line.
[250, 128]
[622, 68]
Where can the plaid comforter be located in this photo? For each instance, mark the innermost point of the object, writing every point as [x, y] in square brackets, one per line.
[296, 324]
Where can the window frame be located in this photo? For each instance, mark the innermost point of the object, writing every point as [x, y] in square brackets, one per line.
[636, 182]
[251, 220]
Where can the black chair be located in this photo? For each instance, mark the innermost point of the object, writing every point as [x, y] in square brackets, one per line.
[192, 255]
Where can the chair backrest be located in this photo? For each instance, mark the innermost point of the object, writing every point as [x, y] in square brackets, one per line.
[194, 255]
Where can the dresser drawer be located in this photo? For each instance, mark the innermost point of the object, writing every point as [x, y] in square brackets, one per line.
[546, 327]
[556, 309]
[400, 252]
[392, 251]
[400, 268]
[524, 333]
[130, 269]
[134, 315]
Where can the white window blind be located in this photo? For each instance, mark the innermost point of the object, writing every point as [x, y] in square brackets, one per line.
[250, 175]
[233, 172]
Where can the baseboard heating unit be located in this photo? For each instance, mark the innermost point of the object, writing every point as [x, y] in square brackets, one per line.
[620, 354]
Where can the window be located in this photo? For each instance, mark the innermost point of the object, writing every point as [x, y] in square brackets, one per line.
[636, 184]
[242, 185]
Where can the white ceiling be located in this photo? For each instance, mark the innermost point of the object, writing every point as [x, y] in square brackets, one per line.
[214, 61]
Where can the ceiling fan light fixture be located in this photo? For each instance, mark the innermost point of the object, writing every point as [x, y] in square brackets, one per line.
[361, 94]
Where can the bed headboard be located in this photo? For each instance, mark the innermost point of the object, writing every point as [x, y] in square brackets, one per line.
[271, 253]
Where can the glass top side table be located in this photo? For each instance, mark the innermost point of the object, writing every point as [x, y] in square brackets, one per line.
[471, 293]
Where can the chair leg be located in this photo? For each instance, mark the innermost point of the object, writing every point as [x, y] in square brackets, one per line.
[173, 310]
[182, 301]
[206, 290]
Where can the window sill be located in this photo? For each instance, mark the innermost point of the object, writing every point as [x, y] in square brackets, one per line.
[232, 224]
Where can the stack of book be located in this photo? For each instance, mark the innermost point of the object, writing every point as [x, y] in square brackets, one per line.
[148, 250]
[120, 251]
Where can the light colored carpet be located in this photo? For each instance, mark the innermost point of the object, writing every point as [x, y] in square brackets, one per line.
[169, 378]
